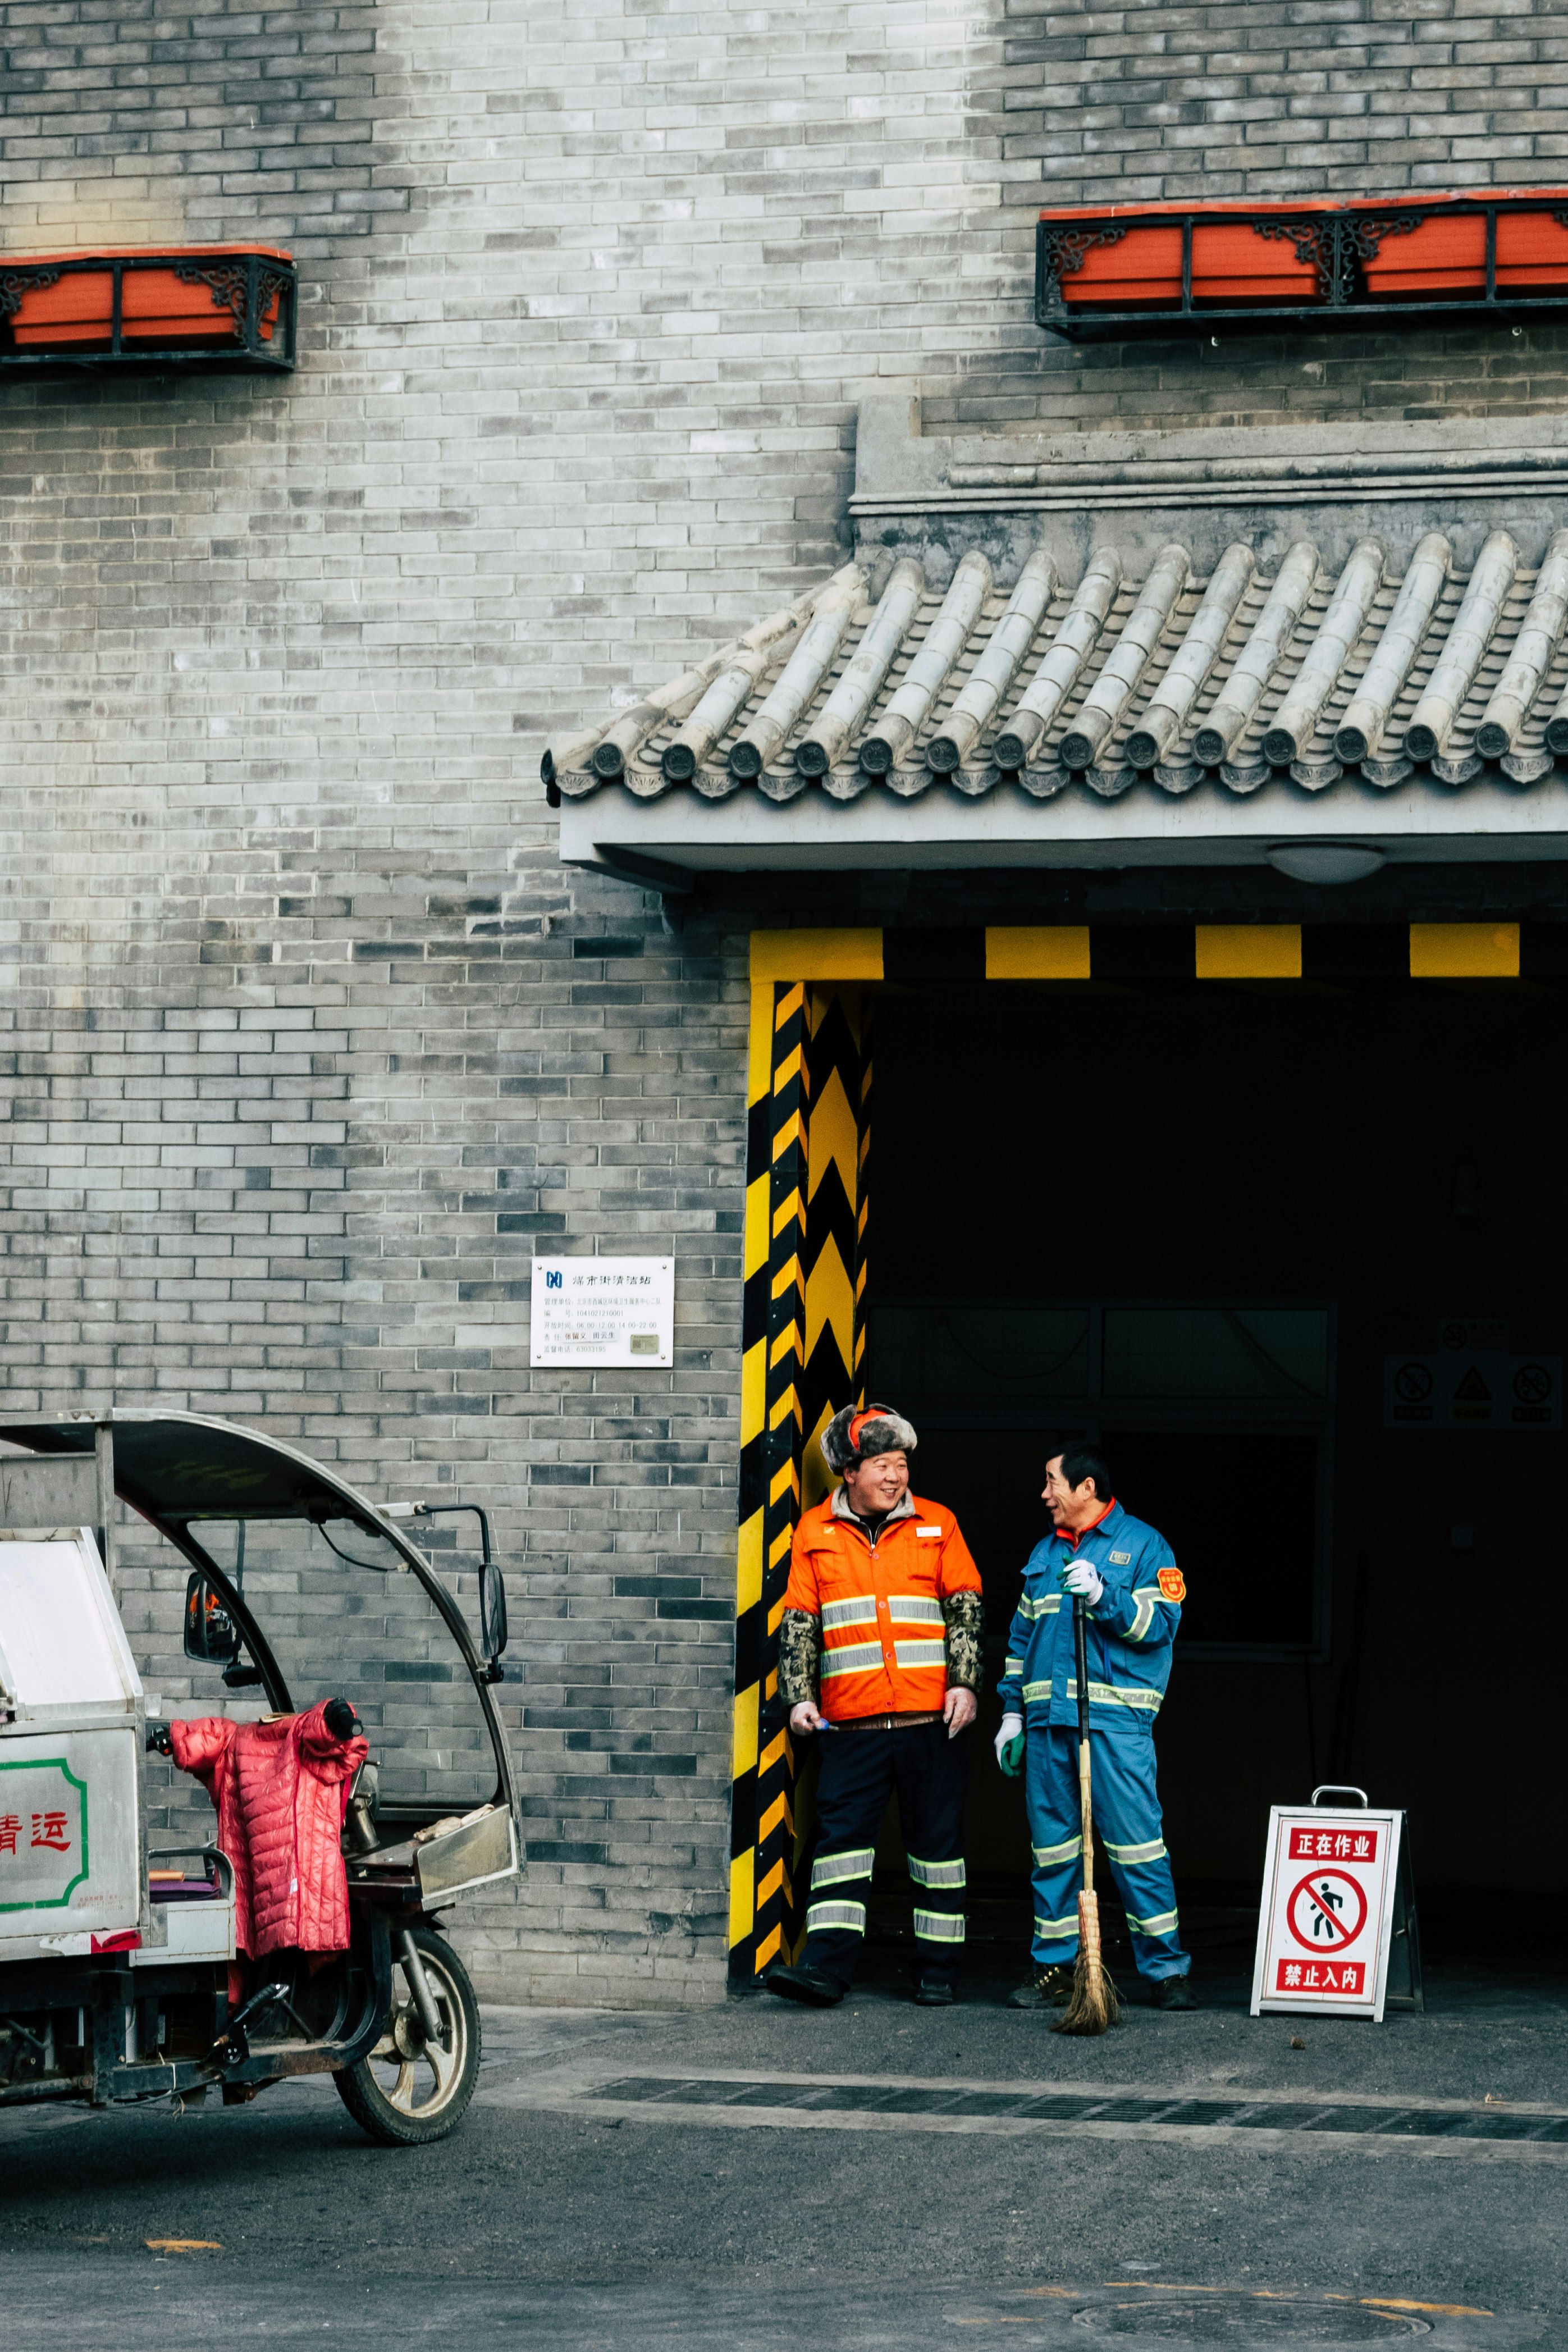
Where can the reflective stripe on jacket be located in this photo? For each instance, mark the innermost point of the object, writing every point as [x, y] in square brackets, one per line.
[880, 1605]
[1130, 1629]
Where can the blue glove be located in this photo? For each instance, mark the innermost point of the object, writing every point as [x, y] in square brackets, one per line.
[1083, 1581]
[1010, 1745]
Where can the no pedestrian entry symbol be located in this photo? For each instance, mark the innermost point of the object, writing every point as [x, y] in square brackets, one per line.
[1327, 1911]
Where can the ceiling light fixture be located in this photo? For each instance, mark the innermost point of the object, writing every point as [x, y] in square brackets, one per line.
[1325, 861]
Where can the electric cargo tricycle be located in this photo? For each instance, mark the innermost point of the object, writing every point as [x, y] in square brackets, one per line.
[118, 1977]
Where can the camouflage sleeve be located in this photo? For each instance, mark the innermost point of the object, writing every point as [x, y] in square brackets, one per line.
[966, 1617]
[799, 1656]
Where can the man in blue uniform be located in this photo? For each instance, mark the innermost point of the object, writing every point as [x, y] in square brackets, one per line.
[1132, 1589]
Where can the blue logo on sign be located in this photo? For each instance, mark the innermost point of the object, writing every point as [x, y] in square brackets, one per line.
[552, 1281]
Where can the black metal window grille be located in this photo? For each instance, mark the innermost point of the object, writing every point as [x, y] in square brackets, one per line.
[242, 284]
[1337, 246]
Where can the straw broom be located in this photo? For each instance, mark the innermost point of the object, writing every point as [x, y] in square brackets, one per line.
[1094, 2007]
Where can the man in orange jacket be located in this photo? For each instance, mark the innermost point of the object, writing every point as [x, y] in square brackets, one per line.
[880, 1651]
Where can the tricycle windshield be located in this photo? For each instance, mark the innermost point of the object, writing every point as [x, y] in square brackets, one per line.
[346, 1617]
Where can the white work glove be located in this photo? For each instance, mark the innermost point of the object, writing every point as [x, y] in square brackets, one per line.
[1009, 1744]
[1084, 1582]
[959, 1709]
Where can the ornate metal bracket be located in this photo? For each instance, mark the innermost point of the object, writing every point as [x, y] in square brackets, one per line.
[1317, 242]
[1063, 251]
[229, 282]
[245, 288]
[1334, 246]
[15, 283]
[1359, 239]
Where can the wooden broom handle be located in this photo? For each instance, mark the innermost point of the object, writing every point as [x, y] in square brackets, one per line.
[1085, 1802]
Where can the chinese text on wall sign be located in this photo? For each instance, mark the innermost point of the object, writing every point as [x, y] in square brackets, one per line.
[603, 1310]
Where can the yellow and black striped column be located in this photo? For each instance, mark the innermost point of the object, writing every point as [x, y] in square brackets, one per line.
[809, 1098]
[762, 1814]
[839, 1064]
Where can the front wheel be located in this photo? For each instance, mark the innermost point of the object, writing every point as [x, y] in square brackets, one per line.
[412, 2090]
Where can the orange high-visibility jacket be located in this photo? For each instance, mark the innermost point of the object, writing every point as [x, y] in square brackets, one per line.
[883, 1650]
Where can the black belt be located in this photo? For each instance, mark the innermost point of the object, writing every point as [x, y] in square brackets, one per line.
[886, 1722]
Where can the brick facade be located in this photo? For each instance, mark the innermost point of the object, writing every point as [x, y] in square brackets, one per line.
[314, 1041]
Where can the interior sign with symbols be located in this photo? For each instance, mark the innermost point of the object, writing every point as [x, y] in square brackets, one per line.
[1324, 1937]
[611, 1311]
[1472, 1388]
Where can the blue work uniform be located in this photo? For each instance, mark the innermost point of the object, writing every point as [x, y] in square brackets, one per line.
[1130, 1630]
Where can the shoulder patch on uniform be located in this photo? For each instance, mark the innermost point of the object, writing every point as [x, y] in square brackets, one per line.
[1121, 1560]
[1173, 1584]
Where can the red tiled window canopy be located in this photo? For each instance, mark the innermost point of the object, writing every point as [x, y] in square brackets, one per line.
[1116, 268]
[192, 305]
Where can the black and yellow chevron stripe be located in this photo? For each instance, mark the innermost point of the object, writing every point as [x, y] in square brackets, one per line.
[800, 1342]
[837, 1021]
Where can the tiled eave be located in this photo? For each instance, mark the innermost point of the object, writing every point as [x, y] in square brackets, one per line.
[664, 841]
[1128, 649]
[1365, 654]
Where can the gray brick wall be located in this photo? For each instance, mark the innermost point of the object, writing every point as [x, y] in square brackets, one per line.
[1266, 98]
[128, 121]
[311, 1047]
[284, 1134]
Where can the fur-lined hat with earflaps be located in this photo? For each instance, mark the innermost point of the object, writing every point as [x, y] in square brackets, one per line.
[862, 1431]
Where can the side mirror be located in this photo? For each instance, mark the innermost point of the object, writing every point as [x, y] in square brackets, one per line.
[493, 1617]
[211, 1633]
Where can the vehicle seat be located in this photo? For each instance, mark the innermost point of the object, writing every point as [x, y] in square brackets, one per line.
[168, 1885]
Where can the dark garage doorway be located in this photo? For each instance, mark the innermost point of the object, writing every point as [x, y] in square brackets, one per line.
[1366, 1602]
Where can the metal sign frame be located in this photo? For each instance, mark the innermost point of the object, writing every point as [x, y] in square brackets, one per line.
[1396, 1923]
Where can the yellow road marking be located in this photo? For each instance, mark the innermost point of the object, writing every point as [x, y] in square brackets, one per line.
[184, 2246]
[1446, 2310]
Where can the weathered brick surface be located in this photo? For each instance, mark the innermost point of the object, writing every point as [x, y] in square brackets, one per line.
[1264, 98]
[285, 1155]
[311, 1044]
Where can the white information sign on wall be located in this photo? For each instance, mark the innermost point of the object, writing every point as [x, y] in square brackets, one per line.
[603, 1310]
[1328, 1900]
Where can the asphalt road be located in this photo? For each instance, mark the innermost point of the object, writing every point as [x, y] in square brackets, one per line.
[570, 2211]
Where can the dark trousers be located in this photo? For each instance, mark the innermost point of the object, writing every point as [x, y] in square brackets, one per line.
[859, 1771]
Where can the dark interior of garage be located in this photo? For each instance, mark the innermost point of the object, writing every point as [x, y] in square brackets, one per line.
[1210, 1224]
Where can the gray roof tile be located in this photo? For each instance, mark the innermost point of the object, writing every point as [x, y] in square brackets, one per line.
[1105, 680]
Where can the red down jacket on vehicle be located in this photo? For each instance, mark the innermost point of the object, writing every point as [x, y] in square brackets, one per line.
[281, 1789]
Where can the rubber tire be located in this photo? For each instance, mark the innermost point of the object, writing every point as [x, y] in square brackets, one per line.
[362, 2095]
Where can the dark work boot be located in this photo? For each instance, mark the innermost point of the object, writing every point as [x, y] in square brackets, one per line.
[804, 1984]
[1172, 1992]
[1046, 1988]
[933, 1990]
